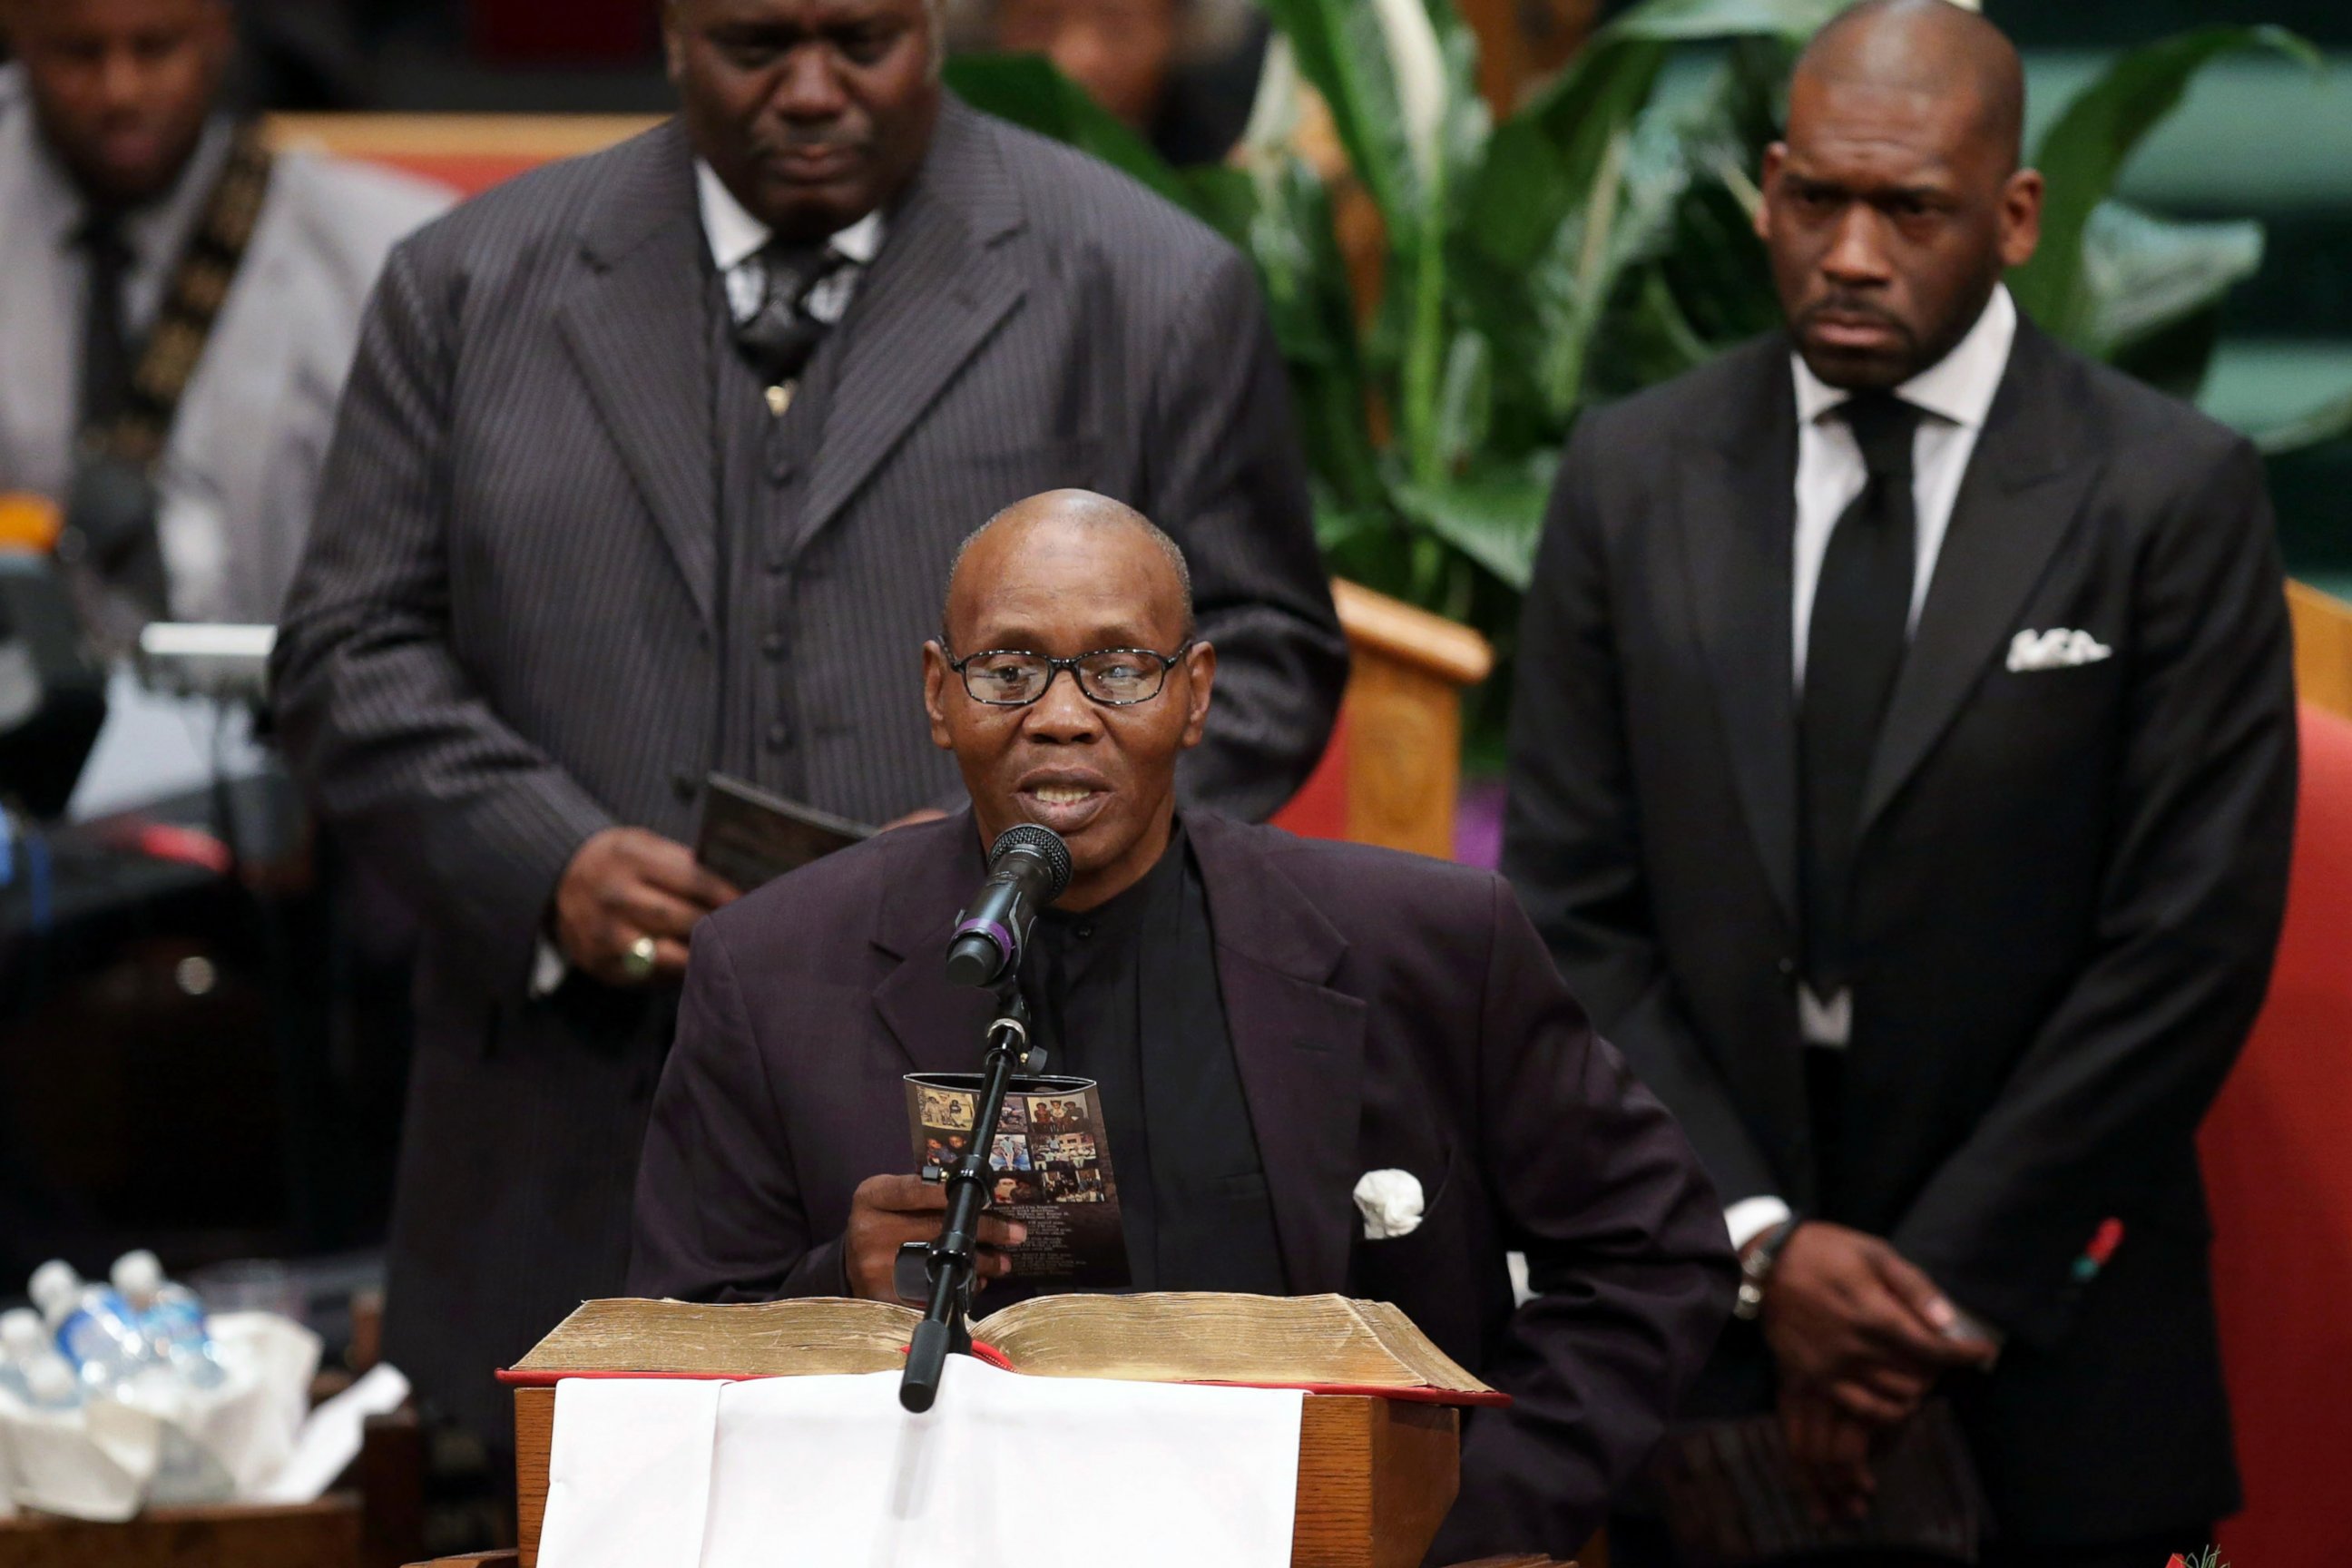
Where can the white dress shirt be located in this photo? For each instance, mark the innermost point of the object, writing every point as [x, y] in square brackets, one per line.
[736, 239]
[1956, 393]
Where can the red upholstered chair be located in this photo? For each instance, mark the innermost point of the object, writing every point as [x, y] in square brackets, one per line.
[2278, 1161]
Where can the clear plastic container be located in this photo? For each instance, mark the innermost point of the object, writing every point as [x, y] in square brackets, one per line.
[51, 1385]
[169, 1318]
[31, 1369]
[92, 1326]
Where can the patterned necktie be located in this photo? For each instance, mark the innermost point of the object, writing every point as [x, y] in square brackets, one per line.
[1859, 630]
[781, 336]
[107, 364]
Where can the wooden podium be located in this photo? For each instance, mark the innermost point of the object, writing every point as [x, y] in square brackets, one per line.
[1375, 1477]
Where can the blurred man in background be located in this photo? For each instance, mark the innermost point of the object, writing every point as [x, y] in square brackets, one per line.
[1903, 771]
[1181, 73]
[649, 468]
[180, 310]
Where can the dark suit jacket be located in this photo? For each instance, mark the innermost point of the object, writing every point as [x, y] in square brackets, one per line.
[504, 637]
[1387, 1012]
[2068, 887]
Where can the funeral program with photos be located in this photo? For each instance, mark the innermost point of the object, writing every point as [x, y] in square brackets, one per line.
[1048, 1166]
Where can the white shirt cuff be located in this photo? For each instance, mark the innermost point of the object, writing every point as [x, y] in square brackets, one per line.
[547, 970]
[1751, 1217]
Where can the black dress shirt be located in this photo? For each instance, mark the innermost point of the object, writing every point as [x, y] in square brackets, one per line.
[1126, 993]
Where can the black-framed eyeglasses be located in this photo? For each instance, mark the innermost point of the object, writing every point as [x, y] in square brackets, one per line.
[1114, 676]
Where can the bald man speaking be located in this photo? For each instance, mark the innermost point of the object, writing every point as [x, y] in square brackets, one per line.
[1269, 1019]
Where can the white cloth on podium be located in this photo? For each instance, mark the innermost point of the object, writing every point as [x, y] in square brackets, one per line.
[1045, 1472]
[629, 1473]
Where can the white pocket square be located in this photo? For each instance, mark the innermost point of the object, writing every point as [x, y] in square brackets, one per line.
[2057, 649]
[1391, 1202]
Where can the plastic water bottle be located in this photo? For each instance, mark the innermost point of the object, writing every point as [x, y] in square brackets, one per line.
[169, 1318]
[21, 1339]
[31, 1369]
[91, 1325]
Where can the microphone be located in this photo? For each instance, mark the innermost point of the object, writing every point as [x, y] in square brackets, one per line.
[1028, 868]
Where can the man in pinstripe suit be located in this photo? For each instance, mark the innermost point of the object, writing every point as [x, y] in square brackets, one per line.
[649, 465]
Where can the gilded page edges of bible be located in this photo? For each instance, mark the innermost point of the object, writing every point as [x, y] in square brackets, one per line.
[1208, 1337]
[756, 1339]
[1402, 1339]
[1167, 1337]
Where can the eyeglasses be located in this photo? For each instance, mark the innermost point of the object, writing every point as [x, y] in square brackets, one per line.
[1114, 676]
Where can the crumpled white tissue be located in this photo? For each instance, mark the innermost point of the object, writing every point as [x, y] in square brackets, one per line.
[162, 1441]
[1391, 1202]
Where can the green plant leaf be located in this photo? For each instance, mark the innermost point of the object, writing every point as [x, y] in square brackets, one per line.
[1544, 163]
[1298, 261]
[1029, 91]
[1689, 21]
[2084, 154]
[2330, 421]
[2141, 272]
[1495, 518]
[1341, 48]
[1224, 198]
[1515, 207]
[1465, 406]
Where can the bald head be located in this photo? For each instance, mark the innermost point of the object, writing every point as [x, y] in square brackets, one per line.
[1930, 48]
[1066, 519]
[1072, 584]
[1895, 202]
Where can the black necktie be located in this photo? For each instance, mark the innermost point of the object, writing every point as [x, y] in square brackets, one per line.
[781, 337]
[106, 365]
[1861, 626]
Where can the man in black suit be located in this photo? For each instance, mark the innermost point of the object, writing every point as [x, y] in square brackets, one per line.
[1903, 772]
[1270, 1020]
[648, 467]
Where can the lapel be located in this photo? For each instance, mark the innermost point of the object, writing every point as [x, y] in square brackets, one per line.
[638, 325]
[940, 288]
[1299, 1045]
[2022, 489]
[937, 1026]
[1737, 513]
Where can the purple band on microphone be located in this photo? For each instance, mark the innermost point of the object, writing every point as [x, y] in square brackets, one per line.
[994, 932]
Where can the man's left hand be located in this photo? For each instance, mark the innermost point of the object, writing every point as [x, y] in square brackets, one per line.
[1845, 1314]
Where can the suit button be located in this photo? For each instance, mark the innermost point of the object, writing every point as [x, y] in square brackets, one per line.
[1788, 968]
[684, 786]
[772, 645]
[779, 737]
[779, 563]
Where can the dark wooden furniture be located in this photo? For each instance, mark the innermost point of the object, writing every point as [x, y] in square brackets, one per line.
[324, 1534]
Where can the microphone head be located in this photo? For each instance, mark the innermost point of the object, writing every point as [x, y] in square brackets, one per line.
[1043, 842]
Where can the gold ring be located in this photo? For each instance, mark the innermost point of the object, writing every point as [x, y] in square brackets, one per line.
[638, 963]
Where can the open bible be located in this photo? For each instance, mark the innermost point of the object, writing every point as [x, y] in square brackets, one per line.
[1327, 1344]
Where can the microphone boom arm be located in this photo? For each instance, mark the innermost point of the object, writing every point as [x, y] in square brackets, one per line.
[948, 1265]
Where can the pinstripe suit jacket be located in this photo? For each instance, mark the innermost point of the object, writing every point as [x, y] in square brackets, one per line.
[504, 637]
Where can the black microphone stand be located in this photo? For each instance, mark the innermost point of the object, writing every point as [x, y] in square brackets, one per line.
[948, 1264]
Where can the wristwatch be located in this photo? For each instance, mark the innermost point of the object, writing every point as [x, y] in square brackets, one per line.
[1756, 1267]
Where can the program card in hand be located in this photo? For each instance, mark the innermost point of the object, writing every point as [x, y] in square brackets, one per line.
[1049, 1164]
[749, 836]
